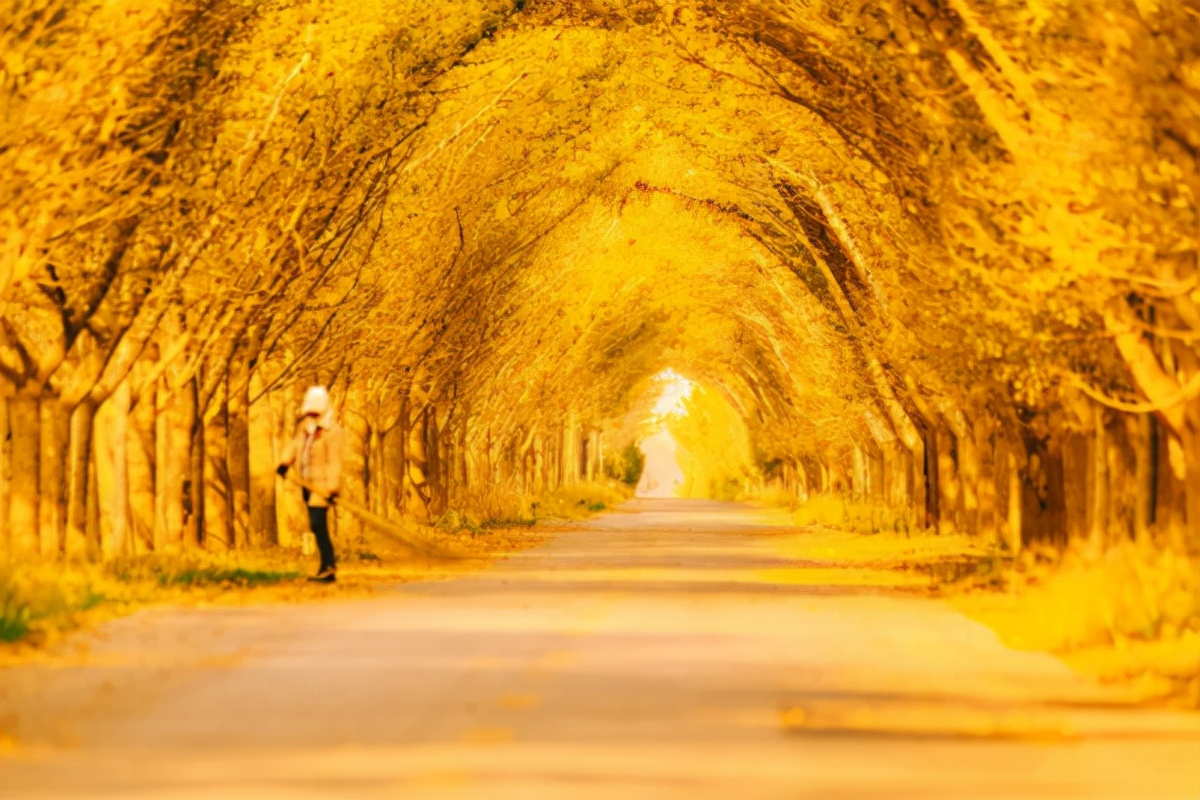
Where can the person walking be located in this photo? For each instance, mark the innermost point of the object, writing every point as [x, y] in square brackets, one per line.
[316, 452]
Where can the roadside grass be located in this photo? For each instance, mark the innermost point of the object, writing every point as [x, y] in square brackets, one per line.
[41, 601]
[846, 513]
[489, 513]
[1128, 615]
[194, 570]
[580, 500]
[832, 556]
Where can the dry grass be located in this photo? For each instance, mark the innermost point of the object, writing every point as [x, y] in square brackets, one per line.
[498, 509]
[579, 500]
[42, 601]
[1131, 614]
[39, 601]
[842, 512]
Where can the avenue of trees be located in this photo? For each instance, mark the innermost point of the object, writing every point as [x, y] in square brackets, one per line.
[938, 255]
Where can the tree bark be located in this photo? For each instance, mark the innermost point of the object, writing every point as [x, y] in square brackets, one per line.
[1141, 433]
[79, 478]
[193, 521]
[111, 434]
[5, 471]
[930, 479]
[23, 426]
[262, 461]
[141, 453]
[950, 517]
[1098, 482]
[237, 452]
[54, 432]
[1076, 474]
[1191, 450]
[356, 471]
[172, 464]
[218, 531]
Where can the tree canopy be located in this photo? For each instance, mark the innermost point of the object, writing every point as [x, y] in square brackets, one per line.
[951, 238]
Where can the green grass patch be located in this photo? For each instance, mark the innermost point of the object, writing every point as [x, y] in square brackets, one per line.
[489, 524]
[194, 569]
[15, 610]
[38, 597]
[41, 600]
[206, 576]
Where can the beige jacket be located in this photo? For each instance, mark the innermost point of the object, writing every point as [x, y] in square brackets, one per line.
[315, 452]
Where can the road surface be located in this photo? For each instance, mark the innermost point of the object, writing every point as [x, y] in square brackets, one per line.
[646, 654]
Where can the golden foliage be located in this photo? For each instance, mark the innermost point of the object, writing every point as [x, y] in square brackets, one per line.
[488, 222]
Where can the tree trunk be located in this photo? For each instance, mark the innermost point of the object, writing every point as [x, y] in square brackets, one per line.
[193, 521]
[1122, 479]
[262, 460]
[79, 478]
[399, 463]
[416, 463]
[355, 471]
[141, 451]
[560, 462]
[111, 434]
[1141, 428]
[172, 464]
[54, 432]
[5, 471]
[376, 471]
[218, 531]
[95, 543]
[540, 469]
[1191, 471]
[585, 472]
[931, 479]
[1012, 530]
[988, 481]
[950, 517]
[237, 453]
[1075, 468]
[23, 426]
[1098, 482]
[464, 461]
[1055, 528]
[600, 455]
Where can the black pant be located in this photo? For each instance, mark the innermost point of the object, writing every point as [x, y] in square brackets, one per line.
[318, 521]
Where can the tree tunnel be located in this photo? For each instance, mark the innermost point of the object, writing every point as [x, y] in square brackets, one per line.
[937, 254]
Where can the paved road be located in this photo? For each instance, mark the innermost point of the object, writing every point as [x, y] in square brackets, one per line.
[648, 654]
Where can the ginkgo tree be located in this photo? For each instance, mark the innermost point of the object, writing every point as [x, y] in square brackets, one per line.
[940, 257]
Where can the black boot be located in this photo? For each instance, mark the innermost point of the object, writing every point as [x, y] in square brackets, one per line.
[326, 575]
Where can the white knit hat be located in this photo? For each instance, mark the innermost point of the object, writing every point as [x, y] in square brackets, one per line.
[316, 401]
